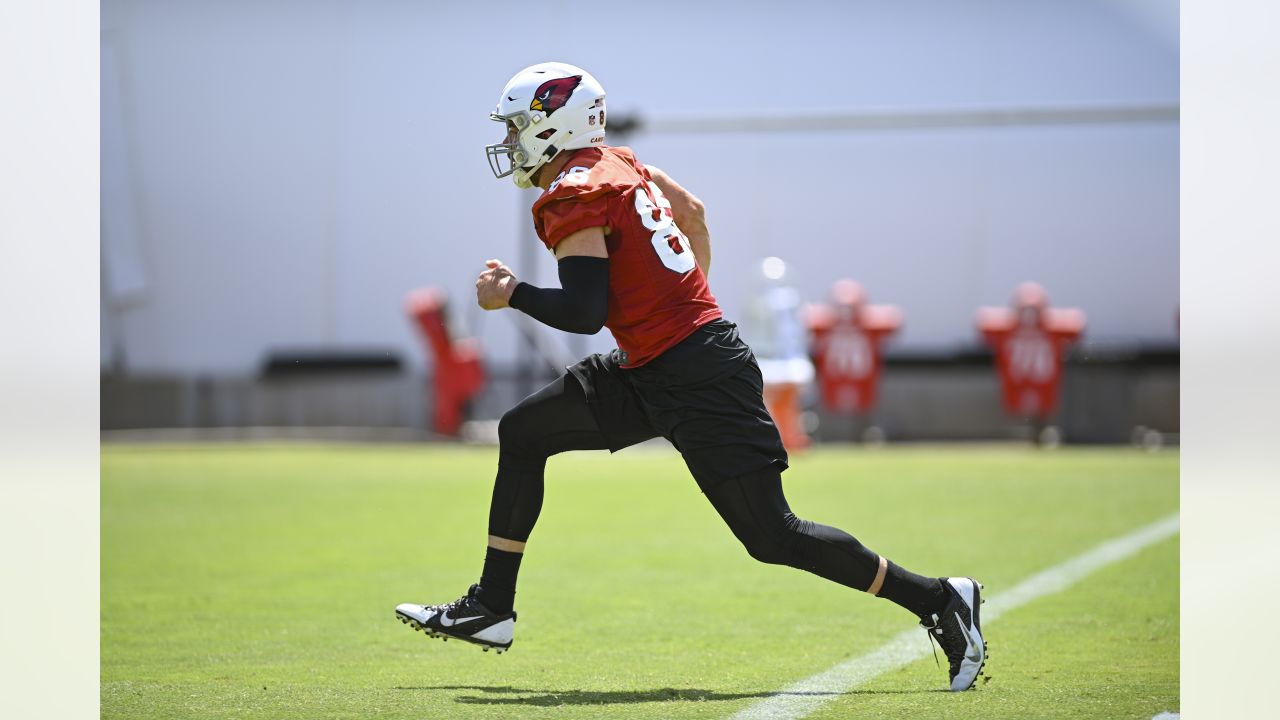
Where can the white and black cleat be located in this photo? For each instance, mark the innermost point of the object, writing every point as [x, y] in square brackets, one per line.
[958, 631]
[464, 618]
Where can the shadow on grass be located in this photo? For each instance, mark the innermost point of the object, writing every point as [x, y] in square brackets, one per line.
[553, 698]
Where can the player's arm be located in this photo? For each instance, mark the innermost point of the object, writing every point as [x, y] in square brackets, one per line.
[579, 305]
[690, 215]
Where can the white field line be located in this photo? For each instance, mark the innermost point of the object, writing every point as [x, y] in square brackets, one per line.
[802, 698]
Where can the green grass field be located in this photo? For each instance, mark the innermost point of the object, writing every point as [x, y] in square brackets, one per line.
[259, 582]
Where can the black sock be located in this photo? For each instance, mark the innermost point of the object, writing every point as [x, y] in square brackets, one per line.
[498, 580]
[921, 595]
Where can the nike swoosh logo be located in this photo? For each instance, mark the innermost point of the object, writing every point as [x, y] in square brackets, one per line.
[971, 651]
[511, 98]
[447, 621]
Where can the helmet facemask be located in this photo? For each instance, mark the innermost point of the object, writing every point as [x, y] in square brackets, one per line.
[509, 156]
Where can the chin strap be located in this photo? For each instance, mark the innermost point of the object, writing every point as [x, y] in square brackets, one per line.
[524, 176]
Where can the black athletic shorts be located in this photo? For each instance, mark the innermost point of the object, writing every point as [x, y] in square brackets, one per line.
[704, 395]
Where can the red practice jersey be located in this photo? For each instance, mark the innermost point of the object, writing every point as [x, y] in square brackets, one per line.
[657, 293]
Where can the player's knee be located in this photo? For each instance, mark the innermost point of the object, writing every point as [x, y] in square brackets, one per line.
[509, 427]
[517, 433]
[768, 552]
[768, 547]
[777, 543]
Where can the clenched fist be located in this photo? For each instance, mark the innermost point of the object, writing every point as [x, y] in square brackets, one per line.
[495, 285]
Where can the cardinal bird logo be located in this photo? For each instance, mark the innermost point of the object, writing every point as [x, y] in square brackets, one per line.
[553, 94]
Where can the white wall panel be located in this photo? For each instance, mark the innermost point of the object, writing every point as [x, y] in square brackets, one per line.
[300, 165]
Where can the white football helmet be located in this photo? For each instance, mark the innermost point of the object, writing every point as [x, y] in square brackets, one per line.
[546, 108]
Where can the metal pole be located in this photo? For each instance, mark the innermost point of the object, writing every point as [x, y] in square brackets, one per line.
[526, 363]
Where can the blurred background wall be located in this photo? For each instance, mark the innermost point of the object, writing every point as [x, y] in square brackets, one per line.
[278, 175]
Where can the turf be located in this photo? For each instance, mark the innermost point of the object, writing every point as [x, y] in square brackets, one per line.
[259, 582]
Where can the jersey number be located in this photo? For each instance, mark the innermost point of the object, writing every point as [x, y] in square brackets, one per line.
[667, 240]
[1030, 357]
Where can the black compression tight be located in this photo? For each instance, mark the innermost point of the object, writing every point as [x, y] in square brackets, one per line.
[548, 422]
[551, 421]
[557, 419]
[756, 511]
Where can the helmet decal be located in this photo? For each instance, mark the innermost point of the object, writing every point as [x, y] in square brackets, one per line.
[553, 94]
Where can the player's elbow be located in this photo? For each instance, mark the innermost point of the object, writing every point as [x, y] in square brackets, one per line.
[585, 313]
[591, 320]
[696, 210]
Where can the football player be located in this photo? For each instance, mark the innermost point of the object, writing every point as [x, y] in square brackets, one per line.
[633, 252]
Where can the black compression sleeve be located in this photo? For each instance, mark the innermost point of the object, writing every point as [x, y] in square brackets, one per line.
[579, 305]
